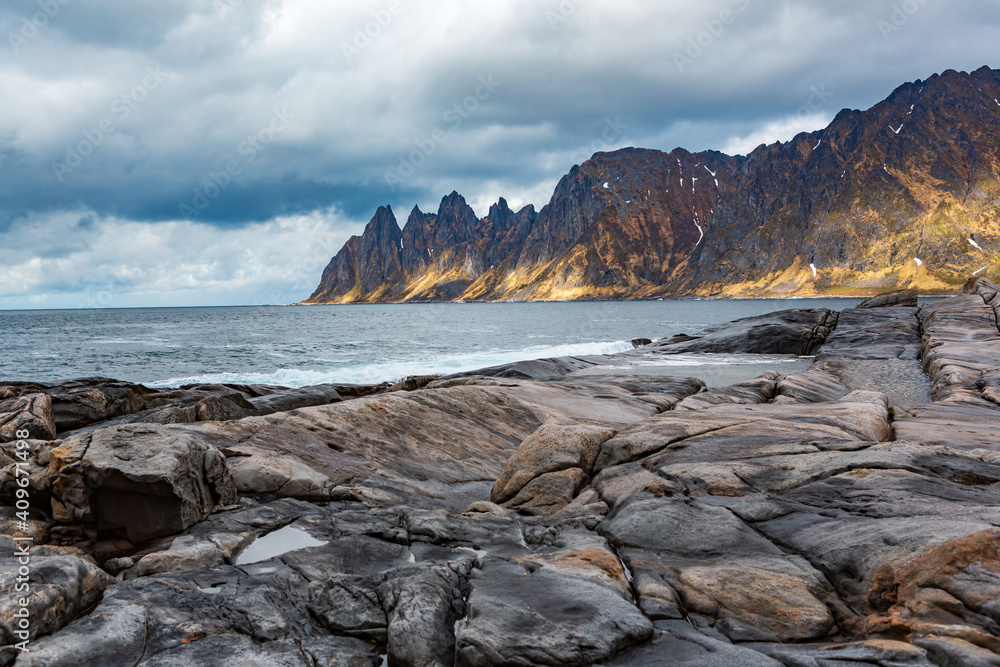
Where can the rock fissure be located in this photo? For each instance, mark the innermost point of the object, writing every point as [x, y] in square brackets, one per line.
[786, 519]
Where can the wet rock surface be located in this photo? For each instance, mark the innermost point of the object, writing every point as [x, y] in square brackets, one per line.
[903, 298]
[527, 515]
[785, 332]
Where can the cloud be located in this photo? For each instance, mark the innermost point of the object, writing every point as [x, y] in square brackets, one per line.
[370, 82]
[779, 130]
[80, 260]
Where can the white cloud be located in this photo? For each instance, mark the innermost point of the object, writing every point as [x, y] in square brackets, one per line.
[78, 260]
[779, 130]
[355, 117]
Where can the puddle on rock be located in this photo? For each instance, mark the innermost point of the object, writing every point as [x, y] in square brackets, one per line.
[278, 543]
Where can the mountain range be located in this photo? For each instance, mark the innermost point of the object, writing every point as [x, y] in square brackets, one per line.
[904, 194]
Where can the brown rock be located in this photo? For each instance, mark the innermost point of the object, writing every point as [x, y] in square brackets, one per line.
[755, 605]
[551, 448]
[258, 471]
[31, 413]
[145, 480]
[61, 587]
[901, 298]
[549, 492]
[981, 286]
[80, 403]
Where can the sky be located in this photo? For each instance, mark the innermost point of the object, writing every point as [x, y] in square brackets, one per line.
[219, 152]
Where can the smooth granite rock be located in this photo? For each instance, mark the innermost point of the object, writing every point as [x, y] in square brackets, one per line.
[541, 513]
[799, 332]
[30, 415]
[541, 616]
[901, 298]
[56, 587]
[293, 399]
[961, 349]
[552, 448]
[144, 481]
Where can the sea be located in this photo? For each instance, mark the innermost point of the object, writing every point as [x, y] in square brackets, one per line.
[304, 345]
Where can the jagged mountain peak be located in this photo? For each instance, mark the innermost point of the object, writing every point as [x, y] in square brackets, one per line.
[902, 194]
[384, 219]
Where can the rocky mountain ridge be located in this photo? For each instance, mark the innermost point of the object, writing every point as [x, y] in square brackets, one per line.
[904, 194]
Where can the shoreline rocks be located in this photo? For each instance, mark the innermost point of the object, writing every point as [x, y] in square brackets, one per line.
[534, 514]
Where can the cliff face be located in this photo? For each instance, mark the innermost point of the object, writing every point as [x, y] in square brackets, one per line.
[916, 177]
[904, 194]
[435, 257]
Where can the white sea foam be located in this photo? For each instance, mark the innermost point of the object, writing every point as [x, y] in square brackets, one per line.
[702, 359]
[389, 370]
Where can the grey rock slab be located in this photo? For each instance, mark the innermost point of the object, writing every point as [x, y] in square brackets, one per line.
[535, 368]
[881, 652]
[258, 471]
[815, 385]
[293, 399]
[266, 603]
[901, 298]
[58, 588]
[692, 557]
[854, 551]
[238, 650]
[498, 532]
[615, 484]
[540, 616]
[883, 493]
[757, 390]
[961, 348]
[194, 408]
[658, 433]
[790, 472]
[185, 553]
[800, 332]
[422, 606]
[729, 432]
[80, 403]
[434, 447]
[954, 652]
[874, 333]
[678, 644]
[348, 605]
[862, 414]
[958, 426]
[549, 493]
[682, 527]
[983, 287]
[143, 480]
[111, 636]
[354, 555]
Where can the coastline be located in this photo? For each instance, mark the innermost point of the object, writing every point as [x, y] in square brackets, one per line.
[455, 518]
[932, 294]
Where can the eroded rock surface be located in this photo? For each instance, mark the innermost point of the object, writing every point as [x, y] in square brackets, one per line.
[786, 332]
[903, 298]
[844, 515]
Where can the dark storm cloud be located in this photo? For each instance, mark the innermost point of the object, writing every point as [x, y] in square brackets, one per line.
[148, 113]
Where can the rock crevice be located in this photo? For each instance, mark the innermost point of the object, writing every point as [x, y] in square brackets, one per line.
[559, 512]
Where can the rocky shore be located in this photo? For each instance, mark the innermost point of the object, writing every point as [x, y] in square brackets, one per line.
[568, 511]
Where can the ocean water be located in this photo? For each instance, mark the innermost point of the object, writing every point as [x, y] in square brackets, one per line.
[304, 345]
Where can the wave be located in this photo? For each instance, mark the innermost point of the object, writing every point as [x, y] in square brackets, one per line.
[396, 369]
[714, 359]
